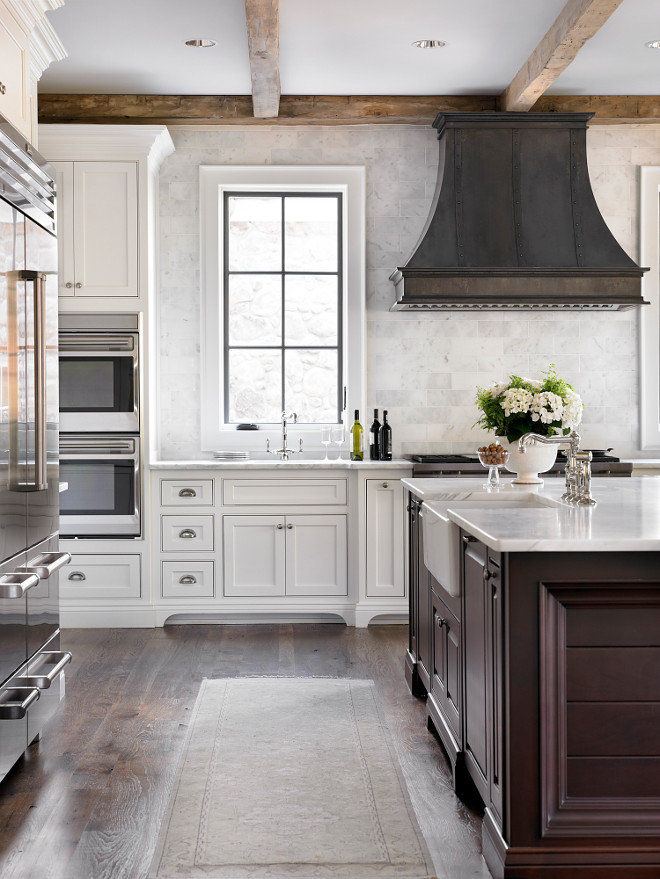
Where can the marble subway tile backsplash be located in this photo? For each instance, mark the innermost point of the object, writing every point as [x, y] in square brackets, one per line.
[423, 370]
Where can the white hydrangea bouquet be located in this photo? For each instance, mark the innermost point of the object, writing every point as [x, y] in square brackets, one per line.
[510, 409]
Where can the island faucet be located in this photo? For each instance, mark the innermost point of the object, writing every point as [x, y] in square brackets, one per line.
[578, 465]
[284, 451]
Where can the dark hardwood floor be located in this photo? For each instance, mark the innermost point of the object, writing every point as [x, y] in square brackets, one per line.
[86, 802]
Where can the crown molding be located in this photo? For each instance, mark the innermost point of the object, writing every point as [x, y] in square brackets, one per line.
[79, 143]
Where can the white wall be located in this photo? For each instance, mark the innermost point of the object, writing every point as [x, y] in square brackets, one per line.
[423, 369]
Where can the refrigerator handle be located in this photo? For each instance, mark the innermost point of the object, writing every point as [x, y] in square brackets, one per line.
[40, 425]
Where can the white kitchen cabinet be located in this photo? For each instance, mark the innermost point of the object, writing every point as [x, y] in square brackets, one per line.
[187, 579]
[97, 228]
[101, 576]
[285, 555]
[385, 548]
[14, 73]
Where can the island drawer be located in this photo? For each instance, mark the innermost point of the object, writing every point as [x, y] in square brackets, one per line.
[186, 492]
[187, 579]
[187, 533]
[299, 492]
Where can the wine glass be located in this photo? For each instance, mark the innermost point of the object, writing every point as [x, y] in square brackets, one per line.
[326, 438]
[337, 433]
[494, 457]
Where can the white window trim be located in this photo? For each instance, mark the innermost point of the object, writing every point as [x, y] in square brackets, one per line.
[214, 182]
[650, 314]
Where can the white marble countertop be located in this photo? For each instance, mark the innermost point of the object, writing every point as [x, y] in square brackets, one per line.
[625, 518]
[273, 463]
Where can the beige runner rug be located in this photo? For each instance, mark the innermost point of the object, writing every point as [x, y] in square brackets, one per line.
[289, 778]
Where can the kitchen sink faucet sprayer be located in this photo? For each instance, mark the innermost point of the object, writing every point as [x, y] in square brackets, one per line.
[578, 465]
[284, 451]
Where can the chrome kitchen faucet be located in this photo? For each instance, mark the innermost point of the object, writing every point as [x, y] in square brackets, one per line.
[284, 451]
[578, 465]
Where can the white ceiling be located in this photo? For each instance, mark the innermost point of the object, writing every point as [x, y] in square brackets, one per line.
[342, 47]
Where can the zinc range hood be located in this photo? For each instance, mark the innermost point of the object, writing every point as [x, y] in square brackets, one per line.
[514, 223]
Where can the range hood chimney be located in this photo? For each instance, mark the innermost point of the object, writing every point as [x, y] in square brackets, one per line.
[514, 222]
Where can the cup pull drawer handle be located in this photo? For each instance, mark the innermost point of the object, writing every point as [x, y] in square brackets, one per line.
[47, 563]
[187, 492]
[188, 580]
[187, 534]
[77, 576]
[16, 585]
[43, 681]
[14, 703]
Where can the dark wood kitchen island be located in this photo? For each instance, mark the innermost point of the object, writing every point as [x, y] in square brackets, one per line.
[542, 669]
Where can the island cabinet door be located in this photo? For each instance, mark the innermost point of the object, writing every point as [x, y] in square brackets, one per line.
[424, 618]
[482, 635]
[254, 550]
[446, 676]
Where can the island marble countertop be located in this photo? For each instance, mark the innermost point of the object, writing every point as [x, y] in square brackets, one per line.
[626, 516]
[273, 463]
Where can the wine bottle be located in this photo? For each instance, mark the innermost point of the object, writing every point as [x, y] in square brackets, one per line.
[374, 438]
[357, 439]
[385, 439]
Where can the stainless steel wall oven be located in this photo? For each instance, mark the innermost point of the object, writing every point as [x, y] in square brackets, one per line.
[99, 373]
[103, 477]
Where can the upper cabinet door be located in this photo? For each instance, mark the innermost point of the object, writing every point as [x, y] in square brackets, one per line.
[14, 72]
[98, 228]
[65, 262]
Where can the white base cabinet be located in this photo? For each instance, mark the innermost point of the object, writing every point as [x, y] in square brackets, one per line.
[285, 555]
[233, 545]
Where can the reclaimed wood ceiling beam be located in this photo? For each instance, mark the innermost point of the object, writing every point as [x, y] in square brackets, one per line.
[263, 29]
[578, 21]
[324, 109]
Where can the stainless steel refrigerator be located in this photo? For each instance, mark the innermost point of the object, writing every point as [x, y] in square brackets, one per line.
[31, 662]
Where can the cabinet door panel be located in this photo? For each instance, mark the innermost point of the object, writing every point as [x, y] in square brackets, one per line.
[316, 555]
[254, 549]
[14, 74]
[385, 525]
[66, 266]
[105, 228]
[476, 670]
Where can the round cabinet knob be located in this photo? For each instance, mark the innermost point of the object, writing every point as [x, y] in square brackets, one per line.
[487, 575]
[386, 485]
[187, 534]
[187, 492]
[78, 285]
[280, 526]
[188, 580]
[441, 622]
[3, 88]
[77, 576]
[68, 285]
[289, 527]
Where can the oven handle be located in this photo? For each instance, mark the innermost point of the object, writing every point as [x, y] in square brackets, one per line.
[94, 343]
[96, 447]
[16, 585]
[46, 563]
[12, 709]
[43, 681]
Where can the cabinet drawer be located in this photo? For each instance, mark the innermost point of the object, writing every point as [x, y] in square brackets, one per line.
[187, 533]
[262, 492]
[186, 492]
[187, 579]
[101, 576]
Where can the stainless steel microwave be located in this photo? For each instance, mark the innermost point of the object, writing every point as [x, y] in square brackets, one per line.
[99, 373]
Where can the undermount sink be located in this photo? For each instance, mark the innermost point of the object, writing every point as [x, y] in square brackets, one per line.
[441, 547]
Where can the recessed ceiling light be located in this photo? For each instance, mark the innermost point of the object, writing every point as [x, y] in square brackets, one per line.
[429, 44]
[201, 44]
[654, 44]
